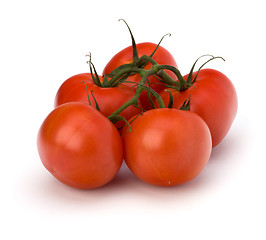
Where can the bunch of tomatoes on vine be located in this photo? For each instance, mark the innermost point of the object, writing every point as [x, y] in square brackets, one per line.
[140, 110]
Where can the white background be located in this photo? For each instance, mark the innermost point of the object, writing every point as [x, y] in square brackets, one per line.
[45, 42]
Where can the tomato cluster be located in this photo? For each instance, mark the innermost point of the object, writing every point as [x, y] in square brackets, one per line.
[141, 110]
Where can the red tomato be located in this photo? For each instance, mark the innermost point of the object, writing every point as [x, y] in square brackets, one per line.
[167, 146]
[161, 56]
[213, 98]
[108, 99]
[79, 146]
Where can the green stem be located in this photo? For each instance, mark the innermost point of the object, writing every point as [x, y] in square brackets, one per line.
[123, 72]
[167, 79]
[141, 87]
[156, 69]
[132, 101]
[159, 71]
[147, 59]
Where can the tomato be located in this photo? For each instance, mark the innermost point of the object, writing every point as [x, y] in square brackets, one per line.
[161, 56]
[213, 98]
[79, 146]
[109, 99]
[167, 146]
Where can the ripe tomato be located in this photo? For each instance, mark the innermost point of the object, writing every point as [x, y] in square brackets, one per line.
[161, 56]
[167, 146]
[213, 98]
[109, 99]
[79, 146]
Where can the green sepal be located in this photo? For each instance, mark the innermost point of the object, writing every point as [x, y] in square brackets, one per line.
[203, 66]
[95, 78]
[96, 104]
[189, 79]
[87, 92]
[171, 99]
[150, 100]
[149, 95]
[121, 80]
[134, 47]
[169, 34]
[186, 104]
[105, 81]
[117, 118]
[156, 95]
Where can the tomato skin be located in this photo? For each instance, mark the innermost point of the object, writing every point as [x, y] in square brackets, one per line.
[108, 99]
[79, 146]
[167, 146]
[161, 56]
[73, 90]
[213, 98]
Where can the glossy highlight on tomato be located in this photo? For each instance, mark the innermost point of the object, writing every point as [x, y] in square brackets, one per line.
[161, 56]
[167, 147]
[79, 146]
